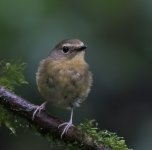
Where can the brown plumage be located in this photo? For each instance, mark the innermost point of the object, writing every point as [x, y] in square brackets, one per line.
[63, 78]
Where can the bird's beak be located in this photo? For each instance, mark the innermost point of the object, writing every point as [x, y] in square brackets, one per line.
[81, 48]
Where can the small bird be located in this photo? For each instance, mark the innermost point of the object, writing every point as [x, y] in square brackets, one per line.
[63, 78]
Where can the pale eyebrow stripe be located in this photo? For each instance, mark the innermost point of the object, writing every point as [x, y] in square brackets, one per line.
[68, 44]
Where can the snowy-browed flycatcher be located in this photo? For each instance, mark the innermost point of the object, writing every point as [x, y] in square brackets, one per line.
[63, 78]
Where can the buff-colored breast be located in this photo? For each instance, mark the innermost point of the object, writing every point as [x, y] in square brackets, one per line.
[64, 83]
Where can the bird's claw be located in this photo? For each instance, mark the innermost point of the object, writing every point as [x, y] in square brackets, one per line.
[39, 109]
[66, 128]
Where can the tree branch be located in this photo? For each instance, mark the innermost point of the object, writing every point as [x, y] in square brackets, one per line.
[44, 123]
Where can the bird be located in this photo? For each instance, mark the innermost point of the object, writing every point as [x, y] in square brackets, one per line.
[63, 78]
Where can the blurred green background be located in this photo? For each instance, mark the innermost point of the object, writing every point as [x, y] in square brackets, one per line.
[119, 39]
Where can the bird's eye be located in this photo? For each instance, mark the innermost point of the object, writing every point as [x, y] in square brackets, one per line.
[65, 49]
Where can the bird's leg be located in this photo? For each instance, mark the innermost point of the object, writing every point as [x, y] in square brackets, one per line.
[39, 109]
[67, 124]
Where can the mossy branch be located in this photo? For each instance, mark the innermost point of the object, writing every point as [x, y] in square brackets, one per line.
[44, 123]
[14, 110]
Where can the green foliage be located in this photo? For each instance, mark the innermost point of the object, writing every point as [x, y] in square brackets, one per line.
[105, 137]
[11, 121]
[11, 74]
[6, 119]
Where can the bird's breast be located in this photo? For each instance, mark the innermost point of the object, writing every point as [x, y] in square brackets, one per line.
[64, 82]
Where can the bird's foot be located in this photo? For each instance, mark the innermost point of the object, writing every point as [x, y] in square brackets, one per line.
[39, 109]
[66, 128]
